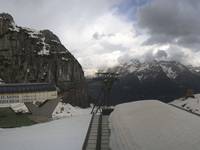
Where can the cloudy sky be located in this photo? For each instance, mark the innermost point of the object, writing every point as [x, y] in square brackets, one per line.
[104, 33]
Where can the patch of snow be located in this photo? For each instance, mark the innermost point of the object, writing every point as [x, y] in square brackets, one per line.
[67, 110]
[44, 50]
[1, 81]
[32, 32]
[143, 67]
[14, 27]
[153, 125]
[65, 59]
[56, 41]
[132, 69]
[191, 104]
[61, 52]
[197, 70]
[169, 72]
[19, 107]
[140, 77]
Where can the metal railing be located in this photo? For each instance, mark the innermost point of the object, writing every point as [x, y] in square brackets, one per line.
[98, 146]
[88, 133]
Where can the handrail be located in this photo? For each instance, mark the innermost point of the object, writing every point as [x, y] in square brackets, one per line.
[98, 146]
[88, 133]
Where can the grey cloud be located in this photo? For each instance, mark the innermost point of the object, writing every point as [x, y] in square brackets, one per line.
[176, 54]
[160, 54]
[54, 14]
[124, 58]
[98, 36]
[110, 47]
[171, 21]
[148, 56]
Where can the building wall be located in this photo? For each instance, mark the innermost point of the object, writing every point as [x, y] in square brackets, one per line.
[27, 97]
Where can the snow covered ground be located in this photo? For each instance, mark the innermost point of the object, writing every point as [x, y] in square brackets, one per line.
[66, 133]
[61, 111]
[191, 104]
[153, 125]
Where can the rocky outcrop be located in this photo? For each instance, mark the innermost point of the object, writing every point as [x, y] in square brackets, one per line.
[28, 55]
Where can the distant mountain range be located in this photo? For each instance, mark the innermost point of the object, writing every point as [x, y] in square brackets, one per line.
[163, 80]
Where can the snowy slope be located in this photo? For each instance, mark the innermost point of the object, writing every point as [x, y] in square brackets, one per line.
[152, 125]
[66, 110]
[191, 104]
[64, 134]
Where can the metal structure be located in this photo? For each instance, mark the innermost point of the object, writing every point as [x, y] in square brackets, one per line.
[97, 137]
[103, 100]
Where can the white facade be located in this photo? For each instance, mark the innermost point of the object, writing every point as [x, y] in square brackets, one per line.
[7, 98]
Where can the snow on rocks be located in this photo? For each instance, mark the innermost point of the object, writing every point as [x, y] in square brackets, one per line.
[19, 107]
[65, 59]
[169, 72]
[14, 27]
[32, 32]
[45, 49]
[191, 104]
[153, 125]
[1, 81]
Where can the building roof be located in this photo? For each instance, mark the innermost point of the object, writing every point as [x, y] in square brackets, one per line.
[153, 125]
[26, 87]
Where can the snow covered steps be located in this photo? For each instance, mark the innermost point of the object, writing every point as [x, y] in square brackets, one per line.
[98, 134]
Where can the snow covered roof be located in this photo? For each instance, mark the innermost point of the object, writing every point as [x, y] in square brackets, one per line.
[153, 125]
[26, 87]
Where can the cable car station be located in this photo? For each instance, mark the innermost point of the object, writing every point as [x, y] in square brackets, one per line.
[40, 98]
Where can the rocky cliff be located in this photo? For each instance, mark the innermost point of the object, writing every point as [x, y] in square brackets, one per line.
[28, 55]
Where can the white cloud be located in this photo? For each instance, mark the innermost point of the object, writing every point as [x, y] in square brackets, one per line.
[77, 21]
[113, 37]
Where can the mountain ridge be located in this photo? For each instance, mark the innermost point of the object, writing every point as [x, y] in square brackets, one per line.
[163, 80]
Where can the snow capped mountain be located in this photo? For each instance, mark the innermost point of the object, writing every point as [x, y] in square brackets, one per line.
[151, 69]
[163, 80]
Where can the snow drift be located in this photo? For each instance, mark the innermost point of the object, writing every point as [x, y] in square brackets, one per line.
[153, 125]
[190, 104]
[63, 134]
[67, 133]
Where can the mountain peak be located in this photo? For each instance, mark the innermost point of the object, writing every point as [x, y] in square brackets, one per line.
[6, 17]
[6, 23]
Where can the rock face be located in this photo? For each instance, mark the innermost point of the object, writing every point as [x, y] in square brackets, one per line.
[28, 55]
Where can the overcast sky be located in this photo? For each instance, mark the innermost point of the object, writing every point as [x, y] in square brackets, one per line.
[104, 33]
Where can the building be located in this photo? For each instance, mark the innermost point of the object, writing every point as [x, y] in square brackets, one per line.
[40, 98]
